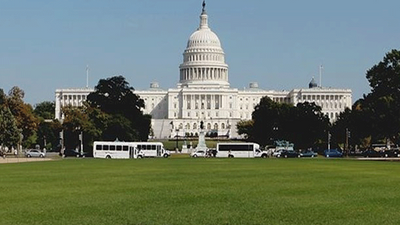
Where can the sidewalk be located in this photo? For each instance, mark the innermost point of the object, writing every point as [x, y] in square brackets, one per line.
[22, 159]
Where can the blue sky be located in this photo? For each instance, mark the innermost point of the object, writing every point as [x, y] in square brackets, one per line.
[46, 44]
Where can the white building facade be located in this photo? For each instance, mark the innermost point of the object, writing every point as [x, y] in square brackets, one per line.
[203, 94]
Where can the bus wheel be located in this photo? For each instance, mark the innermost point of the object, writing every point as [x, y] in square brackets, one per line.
[139, 156]
[108, 157]
[264, 156]
[165, 155]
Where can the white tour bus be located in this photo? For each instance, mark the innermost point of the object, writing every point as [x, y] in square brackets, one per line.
[151, 149]
[240, 150]
[128, 150]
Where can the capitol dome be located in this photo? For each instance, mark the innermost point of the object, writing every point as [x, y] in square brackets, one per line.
[203, 59]
[203, 38]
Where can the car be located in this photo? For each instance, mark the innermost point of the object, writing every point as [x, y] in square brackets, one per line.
[371, 153]
[277, 153]
[35, 153]
[308, 153]
[198, 153]
[75, 153]
[332, 153]
[390, 153]
[288, 154]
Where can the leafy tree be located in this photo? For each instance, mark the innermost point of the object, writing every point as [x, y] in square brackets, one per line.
[9, 132]
[375, 117]
[245, 128]
[45, 110]
[266, 116]
[126, 121]
[308, 125]
[23, 113]
[305, 124]
[383, 103]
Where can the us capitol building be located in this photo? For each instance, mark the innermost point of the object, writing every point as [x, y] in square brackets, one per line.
[203, 93]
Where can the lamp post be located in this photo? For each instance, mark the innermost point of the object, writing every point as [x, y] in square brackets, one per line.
[81, 140]
[44, 141]
[329, 140]
[176, 138]
[275, 130]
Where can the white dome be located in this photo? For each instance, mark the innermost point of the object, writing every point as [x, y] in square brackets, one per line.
[203, 38]
[204, 59]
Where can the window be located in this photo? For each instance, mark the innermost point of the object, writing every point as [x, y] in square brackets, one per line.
[125, 148]
[119, 147]
[105, 147]
[112, 147]
[98, 147]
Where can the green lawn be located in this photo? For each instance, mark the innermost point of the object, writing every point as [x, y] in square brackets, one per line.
[200, 191]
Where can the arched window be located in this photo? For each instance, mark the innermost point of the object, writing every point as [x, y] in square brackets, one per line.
[208, 126]
[195, 126]
[215, 126]
[180, 126]
[223, 126]
[187, 126]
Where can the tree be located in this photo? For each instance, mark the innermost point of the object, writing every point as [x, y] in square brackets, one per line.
[381, 107]
[9, 132]
[375, 117]
[23, 113]
[308, 125]
[305, 125]
[245, 128]
[114, 97]
[45, 110]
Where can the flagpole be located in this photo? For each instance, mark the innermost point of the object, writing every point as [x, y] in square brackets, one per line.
[87, 76]
[320, 75]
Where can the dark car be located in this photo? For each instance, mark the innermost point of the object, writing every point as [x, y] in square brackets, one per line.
[288, 154]
[372, 153]
[332, 153]
[390, 153]
[74, 153]
[308, 153]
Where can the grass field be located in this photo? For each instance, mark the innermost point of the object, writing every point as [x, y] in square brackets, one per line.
[200, 191]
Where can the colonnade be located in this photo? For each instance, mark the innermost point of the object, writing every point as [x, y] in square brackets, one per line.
[204, 74]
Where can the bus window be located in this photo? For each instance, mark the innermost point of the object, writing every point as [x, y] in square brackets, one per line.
[105, 147]
[125, 148]
[119, 147]
[98, 147]
[153, 147]
[112, 147]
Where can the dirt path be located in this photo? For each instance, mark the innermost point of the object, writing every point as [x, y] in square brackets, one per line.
[21, 160]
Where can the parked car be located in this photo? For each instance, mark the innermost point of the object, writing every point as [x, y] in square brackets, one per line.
[390, 153]
[198, 153]
[332, 153]
[288, 154]
[277, 153]
[371, 153]
[35, 153]
[308, 153]
[74, 153]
